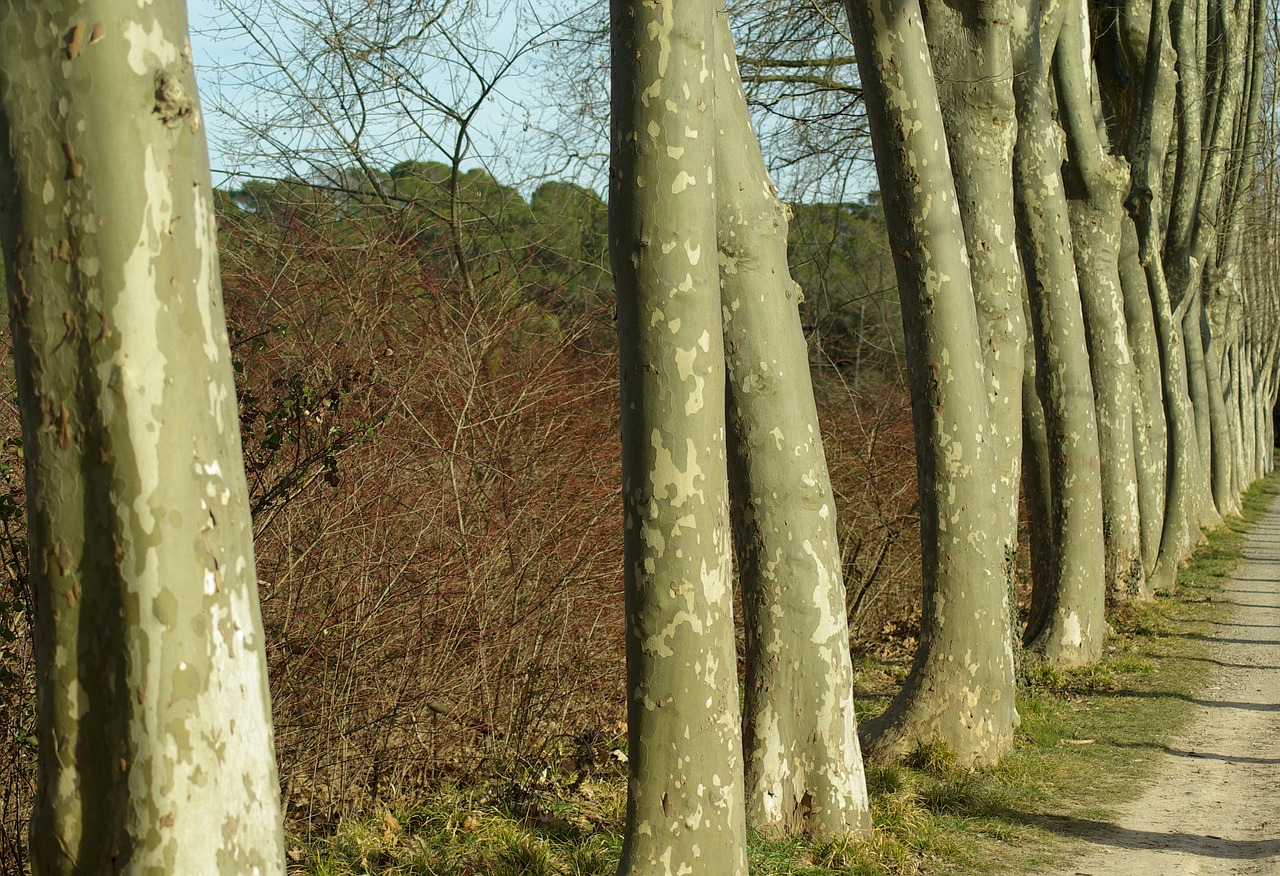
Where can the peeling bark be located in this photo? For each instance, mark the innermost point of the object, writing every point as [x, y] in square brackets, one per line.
[685, 792]
[1146, 152]
[803, 765]
[1069, 631]
[1150, 435]
[961, 687]
[153, 710]
[970, 50]
[1096, 182]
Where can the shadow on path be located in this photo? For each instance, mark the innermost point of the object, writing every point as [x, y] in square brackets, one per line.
[1203, 755]
[1217, 704]
[1250, 626]
[1224, 663]
[1203, 637]
[1204, 845]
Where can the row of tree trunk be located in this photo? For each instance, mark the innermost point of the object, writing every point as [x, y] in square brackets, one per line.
[1086, 266]
[1041, 138]
[1086, 251]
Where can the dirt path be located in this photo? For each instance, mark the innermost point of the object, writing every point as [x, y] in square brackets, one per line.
[1215, 808]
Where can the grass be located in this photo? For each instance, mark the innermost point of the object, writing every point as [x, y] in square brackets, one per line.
[1087, 743]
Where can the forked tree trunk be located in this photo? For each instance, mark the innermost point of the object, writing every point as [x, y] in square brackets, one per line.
[153, 712]
[685, 792]
[961, 687]
[1150, 435]
[1149, 139]
[803, 764]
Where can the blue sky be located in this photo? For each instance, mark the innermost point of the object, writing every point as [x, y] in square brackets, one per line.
[205, 53]
[503, 140]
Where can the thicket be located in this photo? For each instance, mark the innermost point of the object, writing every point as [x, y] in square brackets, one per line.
[434, 480]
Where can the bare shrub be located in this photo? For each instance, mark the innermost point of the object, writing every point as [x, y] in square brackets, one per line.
[870, 449]
[434, 480]
[17, 663]
[435, 487]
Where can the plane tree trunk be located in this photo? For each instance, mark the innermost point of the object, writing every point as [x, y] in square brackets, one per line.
[1068, 630]
[154, 718]
[1096, 181]
[804, 769]
[960, 690]
[685, 791]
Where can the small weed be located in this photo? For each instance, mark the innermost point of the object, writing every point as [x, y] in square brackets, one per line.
[934, 758]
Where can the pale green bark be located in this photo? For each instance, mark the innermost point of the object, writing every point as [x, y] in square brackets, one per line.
[961, 688]
[685, 792]
[1225, 500]
[1198, 199]
[154, 716]
[1069, 629]
[803, 765]
[1239, 463]
[970, 50]
[1198, 390]
[1147, 149]
[1188, 157]
[1150, 437]
[1226, 293]
[1096, 183]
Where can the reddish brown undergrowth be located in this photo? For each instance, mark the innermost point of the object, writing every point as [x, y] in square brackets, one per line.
[435, 488]
[871, 457]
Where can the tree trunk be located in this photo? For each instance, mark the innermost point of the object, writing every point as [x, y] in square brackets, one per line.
[961, 687]
[685, 793]
[1072, 624]
[1225, 499]
[1198, 389]
[153, 708]
[1036, 484]
[1150, 435]
[1096, 182]
[971, 59]
[1147, 148]
[803, 765]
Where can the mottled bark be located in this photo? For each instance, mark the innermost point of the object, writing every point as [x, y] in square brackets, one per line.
[685, 792]
[1096, 182]
[1197, 202]
[153, 711]
[1180, 528]
[1247, 442]
[1146, 152]
[1235, 21]
[1225, 499]
[1188, 157]
[803, 765]
[961, 687]
[970, 51]
[1150, 437]
[1198, 391]
[1239, 465]
[1225, 293]
[1070, 630]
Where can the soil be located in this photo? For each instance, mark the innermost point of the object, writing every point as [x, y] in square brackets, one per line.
[1215, 808]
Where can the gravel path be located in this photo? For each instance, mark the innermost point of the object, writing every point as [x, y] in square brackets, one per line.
[1215, 808]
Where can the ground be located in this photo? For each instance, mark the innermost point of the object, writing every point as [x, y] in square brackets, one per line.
[1213, 808]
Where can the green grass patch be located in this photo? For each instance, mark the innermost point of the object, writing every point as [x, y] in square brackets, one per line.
[1087, 743]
